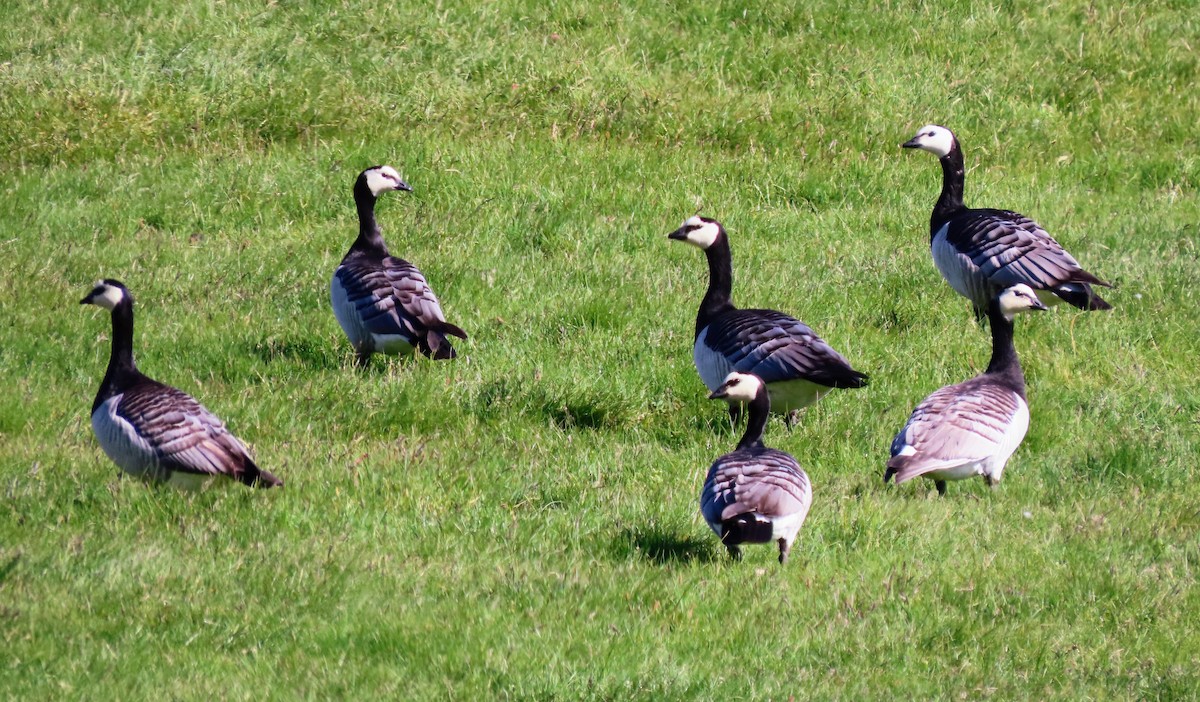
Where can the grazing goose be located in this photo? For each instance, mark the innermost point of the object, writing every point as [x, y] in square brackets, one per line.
[754, 495]
[980, 252]
[971, 428]
[153, 431]
[383, 303]
[796, 364]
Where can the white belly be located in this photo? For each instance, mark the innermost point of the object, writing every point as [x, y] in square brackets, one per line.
[392, 344]
[788, 526]
[791, 395]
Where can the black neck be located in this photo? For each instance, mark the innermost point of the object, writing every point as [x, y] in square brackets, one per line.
[369, 236]
[121, 370]
[756, 422]
[720, 283]
[1004, 366]
[951, 200]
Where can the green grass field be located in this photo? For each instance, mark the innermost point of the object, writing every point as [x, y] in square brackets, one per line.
[522, 524]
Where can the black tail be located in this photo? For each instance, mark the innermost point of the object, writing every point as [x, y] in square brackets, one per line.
[1082, 295]
[436, 346]
[256, 477]
[745, 529]
[852, 379]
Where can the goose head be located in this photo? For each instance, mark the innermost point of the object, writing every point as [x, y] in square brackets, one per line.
[933, 138]
[738, 387]
[107, 293]
[698, 231]
[381, 179]
[1017, 299]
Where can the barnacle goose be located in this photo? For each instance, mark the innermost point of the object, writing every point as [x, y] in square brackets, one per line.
[754, 495]
[971, 428]
[153, 431]
[982, 251]
[797, 366]
[383, 303]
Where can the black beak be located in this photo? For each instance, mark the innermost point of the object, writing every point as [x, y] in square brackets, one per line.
[87, 300]
[679, 234]
[911, 144]
[1040, 306]
[401, 185]
[718, 394]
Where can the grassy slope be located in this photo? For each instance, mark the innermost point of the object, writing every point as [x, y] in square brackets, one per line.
[523, 523]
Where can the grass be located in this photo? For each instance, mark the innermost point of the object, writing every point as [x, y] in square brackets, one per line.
[523, 523]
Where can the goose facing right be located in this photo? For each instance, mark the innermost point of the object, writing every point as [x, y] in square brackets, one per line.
[154, 431]
[797, 366]
[971, 428]
[755, 494]
[982, 251]
[383, 303]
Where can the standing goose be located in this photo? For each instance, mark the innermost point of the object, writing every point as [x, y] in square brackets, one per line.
[153, 431]
[383, 303]
[980, 252]
[971, 428]
[754, 495]
[797, 366]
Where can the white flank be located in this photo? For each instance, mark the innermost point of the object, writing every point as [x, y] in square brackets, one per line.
[959, 270]
[712, 366]
[1017, 427]
[347, 315]
[122, 442]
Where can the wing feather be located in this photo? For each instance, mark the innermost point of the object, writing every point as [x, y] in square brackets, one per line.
[183, 434]
[777, 347]
[954, 426]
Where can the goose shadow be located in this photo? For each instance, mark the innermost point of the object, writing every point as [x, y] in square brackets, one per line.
[7, 569]
[663, 547]
[314, 355]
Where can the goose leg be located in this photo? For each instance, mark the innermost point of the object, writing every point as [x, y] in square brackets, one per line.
[980, 316]
[735, 413]
[784, 549]
[362, 358]
[793, 418]
[734, 552]
[941, 487]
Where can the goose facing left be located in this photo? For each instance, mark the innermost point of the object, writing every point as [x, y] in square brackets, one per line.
[797, 366]
[754, 494]
[383, 303]
[154, 431]
[983, 251]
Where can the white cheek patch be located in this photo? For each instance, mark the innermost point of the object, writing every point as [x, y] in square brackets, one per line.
[378, 182]
[940, 143]
[704, 236]
[110, 298]
[746, 388]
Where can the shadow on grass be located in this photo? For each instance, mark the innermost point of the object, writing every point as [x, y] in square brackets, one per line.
[7, 569]
[663, 547]
[317, 356]
[304, 352]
